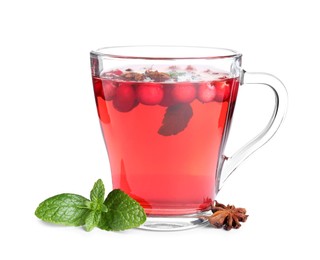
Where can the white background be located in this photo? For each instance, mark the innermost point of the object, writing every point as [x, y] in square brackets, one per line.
[50, 140]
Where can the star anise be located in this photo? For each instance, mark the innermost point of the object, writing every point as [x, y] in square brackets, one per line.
[227, 217]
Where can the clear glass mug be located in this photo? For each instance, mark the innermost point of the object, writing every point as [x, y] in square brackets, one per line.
[165, 114]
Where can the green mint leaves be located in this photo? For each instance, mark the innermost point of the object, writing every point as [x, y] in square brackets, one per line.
[117, 212]
[66, 209]
[123, 212]
[176, 119]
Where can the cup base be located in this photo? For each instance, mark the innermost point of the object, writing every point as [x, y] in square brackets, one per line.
[174, 223]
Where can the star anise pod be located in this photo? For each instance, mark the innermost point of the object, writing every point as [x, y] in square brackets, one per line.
[227, 217]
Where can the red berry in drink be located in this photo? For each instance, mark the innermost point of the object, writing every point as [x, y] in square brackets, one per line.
[149, 93]
[108, 89]
[222, 91]
[97, 87]
[112, 74]
[184, 92]
[125, 98]
[189, 67]
[206, 92]
[167, 100]
[116, 72]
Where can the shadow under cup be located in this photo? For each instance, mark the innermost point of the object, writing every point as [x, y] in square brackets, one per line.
[165, 114]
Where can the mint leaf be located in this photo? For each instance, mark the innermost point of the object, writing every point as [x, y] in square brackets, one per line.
[96, 205]
[176, 119]
[117, 212]
[92, 220]
[97, 193]
[123, 212]
[66, 209]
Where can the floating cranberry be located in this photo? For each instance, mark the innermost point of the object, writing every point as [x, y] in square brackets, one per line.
[125, 97]
[116, 72]
[184, 92]
[206, 92]
[109, 89]
[97, 87]
[111, 74]
[222, 91]
[149, 93]
[167, 100]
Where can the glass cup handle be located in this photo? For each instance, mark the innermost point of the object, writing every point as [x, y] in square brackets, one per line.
[280, 108]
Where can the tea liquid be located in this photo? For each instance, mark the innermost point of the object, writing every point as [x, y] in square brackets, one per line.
[164, 134]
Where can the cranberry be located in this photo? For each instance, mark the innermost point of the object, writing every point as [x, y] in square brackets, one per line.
[149, 93]
[97, 87]
[125, 98]
[184, 92]
[112, 74]
[109, 89]
[190, 68]
[167, 100]
[116, 72]
[206, 92]
[222, 91]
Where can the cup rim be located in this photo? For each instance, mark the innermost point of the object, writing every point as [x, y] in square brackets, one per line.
[198, 52]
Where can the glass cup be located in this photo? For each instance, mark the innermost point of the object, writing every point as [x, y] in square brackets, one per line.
[165, 114]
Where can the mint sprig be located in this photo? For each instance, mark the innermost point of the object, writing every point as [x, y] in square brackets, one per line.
[117, 212]
[119, 205]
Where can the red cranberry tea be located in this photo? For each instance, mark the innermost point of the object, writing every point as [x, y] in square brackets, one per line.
[164, 132]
